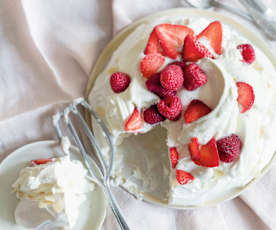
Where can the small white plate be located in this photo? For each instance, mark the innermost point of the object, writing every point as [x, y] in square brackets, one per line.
[92, 212]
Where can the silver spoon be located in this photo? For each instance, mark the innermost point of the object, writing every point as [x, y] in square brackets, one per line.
[214, 3]
[259, 15]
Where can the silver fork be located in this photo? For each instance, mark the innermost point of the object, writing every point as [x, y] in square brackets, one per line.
[105, 169]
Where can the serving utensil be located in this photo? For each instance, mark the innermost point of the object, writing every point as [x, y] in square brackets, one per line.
[73, 119]
[258, 13]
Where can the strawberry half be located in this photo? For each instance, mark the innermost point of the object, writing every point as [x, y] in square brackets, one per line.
[153, 45]
[193, 50]
[174, 157]
[213, 32]
[195, 110]
[134, 122]
[151, 63]
[194, 150]
[183, 177]
[246, 96]
[205, 155]
[41, 161]
[171, 38]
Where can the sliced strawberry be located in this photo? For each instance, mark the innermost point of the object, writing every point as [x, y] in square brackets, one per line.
[153, 45]
[134, 122]
[209, 156]
[205, 155]
[151, 63]
[246, 96]
[41, 161]
[171, 38]
[193, 50]
[174, 157]
[194, 150]
[213, 32]
[195, 110]
[183, 177]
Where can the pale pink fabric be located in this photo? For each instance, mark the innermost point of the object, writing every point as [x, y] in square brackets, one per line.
[47, 50]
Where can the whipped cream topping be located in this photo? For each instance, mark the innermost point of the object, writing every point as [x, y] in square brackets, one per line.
[51, 194]
[138, 156]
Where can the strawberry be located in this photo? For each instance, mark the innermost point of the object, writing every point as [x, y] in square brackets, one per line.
[183, 177]
[171, 38]
[247, 52]
[151, 63]
[193, 50]
[246, 96]
[195, 110]
[194, 150]
[153, 45]
[134, 122]
[173, 156]
[229, 148]
[119, 82]
[42, 161]
[205, 155]
[172, 77]
[194, 77]
[213, 32]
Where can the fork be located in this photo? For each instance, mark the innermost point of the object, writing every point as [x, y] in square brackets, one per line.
[104, 169]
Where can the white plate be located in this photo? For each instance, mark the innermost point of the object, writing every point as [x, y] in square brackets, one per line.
[119, 38]
[92, 212]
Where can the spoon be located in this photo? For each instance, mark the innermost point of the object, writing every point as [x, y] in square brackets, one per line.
[209, 3]
[259, 15]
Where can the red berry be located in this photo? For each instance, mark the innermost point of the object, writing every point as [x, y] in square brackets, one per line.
[193, 50]
[204, 155]
[174, 157]
[152, 115]
[172, 78]
[119, 82]
[213, 32]
[170, 107]
[151, 63]
[229, 148]
[247, 53]
[171, 38]
[153, 85]
[135, 121]
[194, 77]
[182, 64]
[246, 96]
[195, 110]
[42, 161]
[183, 177]
[153, 45]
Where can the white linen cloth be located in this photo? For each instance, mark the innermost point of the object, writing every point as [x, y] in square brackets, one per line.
[47, 50]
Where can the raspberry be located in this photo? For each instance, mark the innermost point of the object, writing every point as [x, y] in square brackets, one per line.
[247, 53]
[170, 108]
[152, 116]
[153, 85]
[194, 77]
[182, 64]
[119, 82]
[229, 148]
[171, 77]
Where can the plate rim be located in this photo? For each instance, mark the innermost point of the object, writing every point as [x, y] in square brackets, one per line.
[111, 46]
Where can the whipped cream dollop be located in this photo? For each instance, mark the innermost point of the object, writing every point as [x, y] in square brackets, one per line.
[51, 194]
[141, 160]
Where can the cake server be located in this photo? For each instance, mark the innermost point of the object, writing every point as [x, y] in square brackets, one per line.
[73, 119]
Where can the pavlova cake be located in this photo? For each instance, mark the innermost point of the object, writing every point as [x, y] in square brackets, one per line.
[191, 106]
